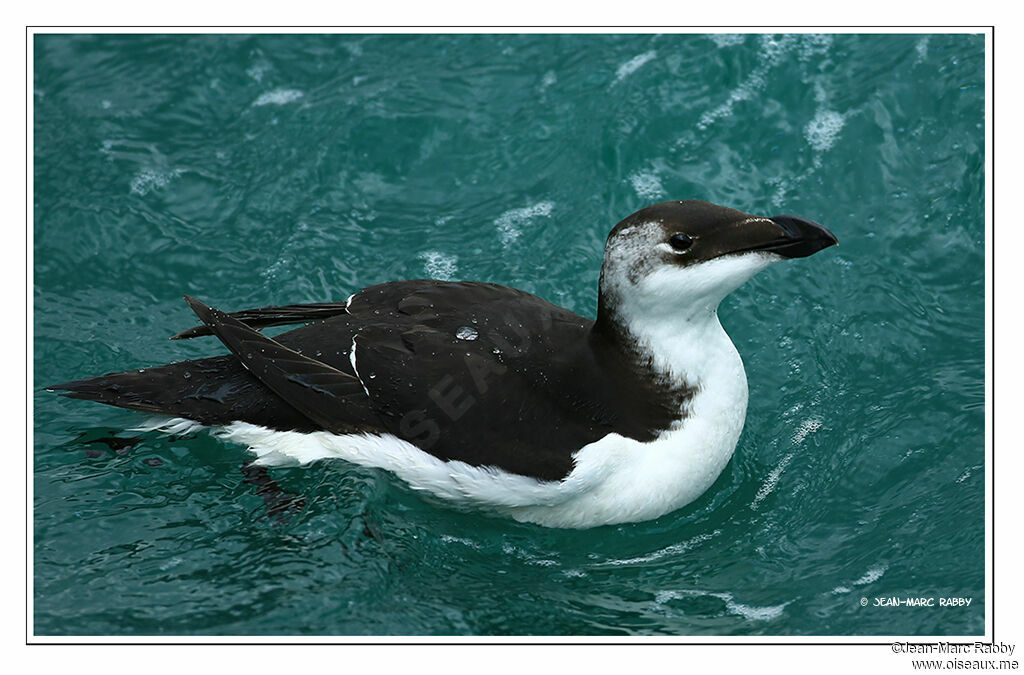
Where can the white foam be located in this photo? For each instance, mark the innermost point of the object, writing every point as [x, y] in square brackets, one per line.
[822, 131]
[966, 474]
[256, 71]
[672, 549]
[168, 425]
[727, 39]
[510, 223]
[275, 267]
[749, 612]
[147, 180]
[820, 93]
[872, 575]
[631, 66]
[647, 184]
[527, 557]
[661, 597]
[772, 50]
[807, 427]
[278, 97]
[821, 134]
[922, 49]
[438, 265]
[450, 539]
[814, 45]
[773, 47]
[771, 481]
[752, 613]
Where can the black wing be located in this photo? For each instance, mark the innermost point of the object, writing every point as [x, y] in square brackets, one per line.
[214, 392]
[315, 389]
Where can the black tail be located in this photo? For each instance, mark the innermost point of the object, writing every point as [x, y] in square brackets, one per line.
[274, 316]
[214, 392]
[220, 390]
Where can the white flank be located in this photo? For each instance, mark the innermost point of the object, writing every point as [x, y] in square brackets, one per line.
[455, 481]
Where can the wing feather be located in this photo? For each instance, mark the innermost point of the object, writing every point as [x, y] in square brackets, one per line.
[273, 316]
[312, 387]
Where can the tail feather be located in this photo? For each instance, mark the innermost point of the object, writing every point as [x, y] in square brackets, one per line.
[212, 392]
[217, 391]
[264, 317]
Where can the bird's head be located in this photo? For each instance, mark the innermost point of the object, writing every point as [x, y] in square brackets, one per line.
[681, 258]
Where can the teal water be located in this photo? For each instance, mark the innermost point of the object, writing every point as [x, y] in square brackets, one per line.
[258, 170]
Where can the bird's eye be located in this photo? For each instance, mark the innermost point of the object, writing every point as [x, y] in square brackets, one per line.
[680, 241]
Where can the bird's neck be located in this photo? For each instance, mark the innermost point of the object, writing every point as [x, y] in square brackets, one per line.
[683, 345]
[690, 348]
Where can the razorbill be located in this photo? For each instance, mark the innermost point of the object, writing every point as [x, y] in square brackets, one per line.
[492, 397]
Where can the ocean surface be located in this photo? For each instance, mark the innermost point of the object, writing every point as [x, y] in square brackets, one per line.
[276, 169]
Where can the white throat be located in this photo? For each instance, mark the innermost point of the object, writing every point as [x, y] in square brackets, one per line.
[672, 314]
[687, 346]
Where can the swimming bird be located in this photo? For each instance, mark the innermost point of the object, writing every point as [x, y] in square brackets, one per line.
[491, 397]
